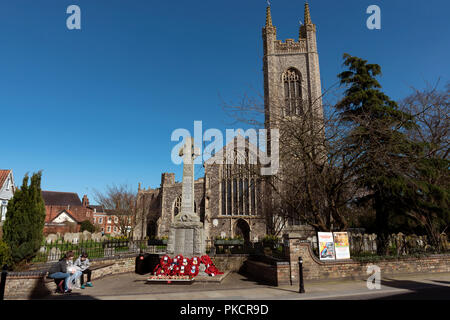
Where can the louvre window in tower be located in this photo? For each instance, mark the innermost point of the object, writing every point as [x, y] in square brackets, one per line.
[292, 92]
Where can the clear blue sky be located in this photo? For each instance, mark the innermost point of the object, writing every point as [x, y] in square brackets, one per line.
[97, 106]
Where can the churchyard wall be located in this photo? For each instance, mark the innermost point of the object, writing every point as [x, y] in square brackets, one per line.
[315, 269]
[33, 284]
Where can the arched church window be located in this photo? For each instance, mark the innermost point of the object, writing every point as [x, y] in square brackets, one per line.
[229, 197]
[253, 196]
[235, 197]
[224, 197]
[177, 206]
[292, 81]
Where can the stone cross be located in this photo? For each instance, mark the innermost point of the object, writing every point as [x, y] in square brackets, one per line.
[189, 152]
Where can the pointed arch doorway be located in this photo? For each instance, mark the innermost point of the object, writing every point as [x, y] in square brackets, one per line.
[152, 229]
[242, 229]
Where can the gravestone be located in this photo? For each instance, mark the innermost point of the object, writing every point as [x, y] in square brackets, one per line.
[186, 235]
[51, 238]
[96, 236]
[68, 237]
[54, 254]
[86, 235]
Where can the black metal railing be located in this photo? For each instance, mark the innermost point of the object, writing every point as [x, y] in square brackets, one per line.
[50, 252]
[273, 248]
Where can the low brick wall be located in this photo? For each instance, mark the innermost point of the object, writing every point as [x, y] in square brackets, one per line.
[229, 262]
[275, 275]
[32, 284]
[315, 269]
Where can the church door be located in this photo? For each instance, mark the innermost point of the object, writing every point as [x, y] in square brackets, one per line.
[243, 229]
[151, 230]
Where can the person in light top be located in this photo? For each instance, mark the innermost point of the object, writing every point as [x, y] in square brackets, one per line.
[83, 263]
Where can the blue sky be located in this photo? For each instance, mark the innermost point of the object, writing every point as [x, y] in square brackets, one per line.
[97, 106]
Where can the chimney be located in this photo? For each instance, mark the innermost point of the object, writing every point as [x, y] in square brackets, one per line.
[85, 201]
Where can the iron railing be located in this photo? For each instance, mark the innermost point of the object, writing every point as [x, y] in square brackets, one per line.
[54, 251]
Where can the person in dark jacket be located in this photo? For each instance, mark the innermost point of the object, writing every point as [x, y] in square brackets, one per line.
[59, 271]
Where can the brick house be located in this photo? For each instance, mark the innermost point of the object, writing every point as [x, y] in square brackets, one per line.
[106, 221]
[65, 212]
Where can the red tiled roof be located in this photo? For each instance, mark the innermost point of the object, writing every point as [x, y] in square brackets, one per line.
[98, 208]
[3, 175]
[54, 198]
[78, 213]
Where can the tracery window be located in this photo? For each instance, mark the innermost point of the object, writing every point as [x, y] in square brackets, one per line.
[292, 81]
[238, 194]
[177, 206]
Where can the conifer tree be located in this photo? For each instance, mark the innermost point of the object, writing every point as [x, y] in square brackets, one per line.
[25, 218]
[377, 139]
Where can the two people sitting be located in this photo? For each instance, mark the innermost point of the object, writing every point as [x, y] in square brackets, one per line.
[66, 272]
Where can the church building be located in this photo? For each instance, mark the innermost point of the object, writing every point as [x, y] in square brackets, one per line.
[228, 198]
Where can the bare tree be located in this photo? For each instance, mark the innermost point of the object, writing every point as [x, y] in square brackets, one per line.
[314, 185]
[120, 202]
[431, 110]
[430, 206]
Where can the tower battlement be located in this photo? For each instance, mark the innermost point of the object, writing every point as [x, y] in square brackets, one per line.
[290, 46]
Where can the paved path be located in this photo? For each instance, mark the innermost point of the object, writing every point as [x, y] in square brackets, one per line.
[237, 287]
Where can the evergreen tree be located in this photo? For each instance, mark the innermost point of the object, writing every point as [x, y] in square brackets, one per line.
[378, 141]
[25, 218]
[86, 225]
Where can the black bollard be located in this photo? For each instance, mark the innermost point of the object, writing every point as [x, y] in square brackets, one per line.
[3, 282]
[300, 275]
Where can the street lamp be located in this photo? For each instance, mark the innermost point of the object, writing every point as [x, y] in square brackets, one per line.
[300, 275]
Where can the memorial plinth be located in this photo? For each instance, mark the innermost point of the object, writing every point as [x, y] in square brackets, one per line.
[186, 235]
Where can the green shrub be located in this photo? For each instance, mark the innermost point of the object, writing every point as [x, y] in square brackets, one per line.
[5, 254]
[86, 225]
[24, 224]
[270, 238]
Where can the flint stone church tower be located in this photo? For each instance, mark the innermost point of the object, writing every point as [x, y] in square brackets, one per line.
[291, 73]
[227, 198]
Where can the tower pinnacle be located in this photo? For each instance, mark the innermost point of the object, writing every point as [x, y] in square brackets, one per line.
[268, 17]
[307, 14]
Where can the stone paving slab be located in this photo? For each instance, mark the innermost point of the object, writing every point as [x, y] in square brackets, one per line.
[209, 279]
[237, 287]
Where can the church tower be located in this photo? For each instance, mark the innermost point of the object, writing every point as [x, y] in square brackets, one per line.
[291, 73]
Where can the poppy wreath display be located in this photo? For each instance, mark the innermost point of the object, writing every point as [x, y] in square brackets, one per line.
[193, 270]
[195, 261]
[180, 266]
[183, 271]
[163, 266]
[165, 261]
[210, 267]
[175, 265]
[160, 272]
[185, 262]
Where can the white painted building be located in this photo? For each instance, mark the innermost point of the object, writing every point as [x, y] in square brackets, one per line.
[7, 189]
